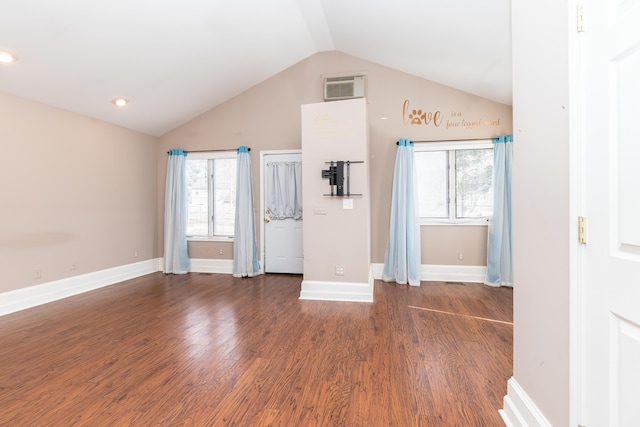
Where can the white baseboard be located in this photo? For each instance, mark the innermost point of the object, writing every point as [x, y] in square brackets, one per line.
[21, 299]
[204, 265]
[32, 296]
[336, 291]
[519, 410]
[443, 273]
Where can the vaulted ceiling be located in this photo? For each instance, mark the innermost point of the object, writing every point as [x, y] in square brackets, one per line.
[177, 59]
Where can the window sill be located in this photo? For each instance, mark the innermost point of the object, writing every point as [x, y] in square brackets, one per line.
[210, 239]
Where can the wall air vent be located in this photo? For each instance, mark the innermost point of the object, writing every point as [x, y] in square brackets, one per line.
[346, 87]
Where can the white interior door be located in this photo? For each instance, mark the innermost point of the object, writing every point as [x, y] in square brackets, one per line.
[611, 263]
[283, 251]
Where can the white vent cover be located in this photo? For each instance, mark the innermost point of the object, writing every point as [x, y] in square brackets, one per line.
[346, 87]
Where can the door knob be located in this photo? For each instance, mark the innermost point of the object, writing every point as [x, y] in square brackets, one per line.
[267, 220]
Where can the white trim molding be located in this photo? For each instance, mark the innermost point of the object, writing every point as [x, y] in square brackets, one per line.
[336, 291]
[443, 273]
[519, 410]
[21, 299]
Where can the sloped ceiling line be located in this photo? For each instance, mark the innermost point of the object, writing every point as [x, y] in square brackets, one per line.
[176, 60]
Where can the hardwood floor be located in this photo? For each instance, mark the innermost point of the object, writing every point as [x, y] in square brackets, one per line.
[213, 350]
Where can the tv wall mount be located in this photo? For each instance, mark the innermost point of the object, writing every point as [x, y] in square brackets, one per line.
[336, 174]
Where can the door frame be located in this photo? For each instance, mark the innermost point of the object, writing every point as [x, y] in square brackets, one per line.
[263, 158]
[577, 207]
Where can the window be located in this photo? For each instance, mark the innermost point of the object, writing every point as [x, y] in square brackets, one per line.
[211, 195]
[454, 182]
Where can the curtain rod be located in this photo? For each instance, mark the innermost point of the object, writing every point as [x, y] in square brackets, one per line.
[450, 140]
[209, 151]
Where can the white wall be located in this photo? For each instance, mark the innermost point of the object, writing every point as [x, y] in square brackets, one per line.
[541, 204]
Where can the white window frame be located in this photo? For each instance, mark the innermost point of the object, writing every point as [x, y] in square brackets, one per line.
[211, 155]
[451, 147]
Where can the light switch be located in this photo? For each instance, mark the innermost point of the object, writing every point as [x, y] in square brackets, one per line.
[347, 203]
[319, 210]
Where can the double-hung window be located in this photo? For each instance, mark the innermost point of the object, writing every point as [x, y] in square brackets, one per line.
[454, 181]
[211, 195]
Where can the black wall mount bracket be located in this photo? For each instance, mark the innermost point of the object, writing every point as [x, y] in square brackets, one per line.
[337, 177]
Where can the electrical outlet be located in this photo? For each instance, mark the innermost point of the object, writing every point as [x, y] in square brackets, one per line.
[460, 256]
[339, 270]
[221, 252]
[135, 254]
[37, 273]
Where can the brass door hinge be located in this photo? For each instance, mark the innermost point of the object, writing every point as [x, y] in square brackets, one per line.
[582, 230]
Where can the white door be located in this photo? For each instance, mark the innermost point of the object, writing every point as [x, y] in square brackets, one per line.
[610, 274]
[283, 237]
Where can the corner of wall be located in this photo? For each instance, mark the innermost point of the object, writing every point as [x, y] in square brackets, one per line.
[519, 410]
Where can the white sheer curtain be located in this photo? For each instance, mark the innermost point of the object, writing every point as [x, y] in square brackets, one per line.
[284, 190]
[499, 252]
[176, 258]
[245, 252]
[402, 258]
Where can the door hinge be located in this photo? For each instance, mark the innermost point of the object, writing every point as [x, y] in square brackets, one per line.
[580, 22]
[582, 230]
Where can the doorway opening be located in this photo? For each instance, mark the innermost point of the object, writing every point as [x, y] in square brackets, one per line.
[280, 227]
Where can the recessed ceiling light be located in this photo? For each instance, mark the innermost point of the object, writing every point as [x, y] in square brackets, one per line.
[120, 102]
[7, 57]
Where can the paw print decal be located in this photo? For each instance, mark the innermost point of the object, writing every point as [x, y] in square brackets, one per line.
[417, 117]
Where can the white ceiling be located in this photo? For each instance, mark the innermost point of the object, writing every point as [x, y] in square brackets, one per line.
[177, 59]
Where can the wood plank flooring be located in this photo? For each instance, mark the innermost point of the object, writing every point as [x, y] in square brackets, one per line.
[213, 350]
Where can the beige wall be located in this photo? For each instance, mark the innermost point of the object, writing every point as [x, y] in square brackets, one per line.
[74, 191]
[90, 194]
[442, 244]
[333, 131]
[267, 117]
[541, 205]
